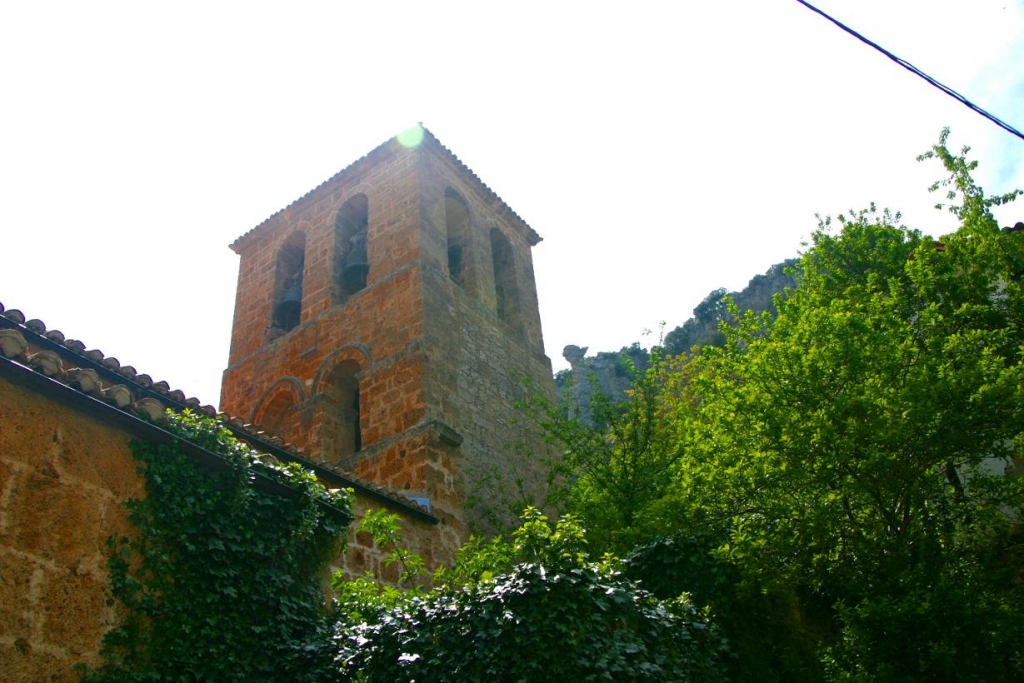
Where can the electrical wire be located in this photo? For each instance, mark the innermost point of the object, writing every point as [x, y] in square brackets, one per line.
[913, 69]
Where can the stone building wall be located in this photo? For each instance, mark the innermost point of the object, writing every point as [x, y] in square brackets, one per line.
[439, 363]
[67, 417]
[432, 368]
[389, 183]
[62, 479]
[378, 330]
[479, 363]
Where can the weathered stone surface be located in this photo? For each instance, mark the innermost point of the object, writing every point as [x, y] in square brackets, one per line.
[67, 600]
[63, 476]
[424, 344]
[16, 571]
[12, 344]
[410, 382]
[23, 660]
[605, 371]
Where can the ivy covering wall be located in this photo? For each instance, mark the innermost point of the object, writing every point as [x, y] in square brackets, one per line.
[223, 580]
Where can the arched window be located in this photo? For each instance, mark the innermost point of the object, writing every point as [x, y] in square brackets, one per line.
[456, 222]
[340, 432]
[287, 307]
[506, 289]
[278, 415]
[351, 261]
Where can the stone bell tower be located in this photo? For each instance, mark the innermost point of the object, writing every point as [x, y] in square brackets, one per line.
[384, 323]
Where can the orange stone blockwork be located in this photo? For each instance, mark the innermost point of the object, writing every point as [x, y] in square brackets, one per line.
[384, 323]
[62, 479]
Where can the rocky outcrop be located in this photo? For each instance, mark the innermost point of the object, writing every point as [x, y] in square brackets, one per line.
[758, 296]
[610, 372]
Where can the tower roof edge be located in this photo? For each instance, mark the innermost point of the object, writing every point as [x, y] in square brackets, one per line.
[373, 155]
[532, 237]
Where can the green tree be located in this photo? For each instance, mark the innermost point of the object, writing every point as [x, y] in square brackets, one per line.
[620, 460]
[855, 446]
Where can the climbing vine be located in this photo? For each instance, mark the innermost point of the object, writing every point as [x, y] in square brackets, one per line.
[223, 580]
[529, 608]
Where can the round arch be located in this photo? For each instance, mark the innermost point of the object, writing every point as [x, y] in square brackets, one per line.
[356, 352]
[336, 403]
[458, 229]
[280, 396]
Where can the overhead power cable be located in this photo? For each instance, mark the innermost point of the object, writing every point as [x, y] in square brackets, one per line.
[913, 69]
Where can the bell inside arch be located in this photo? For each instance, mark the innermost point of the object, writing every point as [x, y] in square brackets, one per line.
[354, 275]
[288, 310]
[357, 266]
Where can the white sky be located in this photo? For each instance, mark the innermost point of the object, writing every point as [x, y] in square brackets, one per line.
[662, 149]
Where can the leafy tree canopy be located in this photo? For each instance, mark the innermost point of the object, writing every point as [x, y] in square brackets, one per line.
[850, 455]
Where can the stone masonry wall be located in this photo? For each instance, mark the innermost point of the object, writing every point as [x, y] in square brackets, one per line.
[281, 381]
[430, 351]
[389, 185]
[383, 320]
[420, 462]
[477, 362]
[62, 479]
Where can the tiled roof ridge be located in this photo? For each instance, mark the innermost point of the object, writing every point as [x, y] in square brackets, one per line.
[90, 372]
[532, 235]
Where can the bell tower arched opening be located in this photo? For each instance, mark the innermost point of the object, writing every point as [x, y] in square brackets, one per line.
[340, 428]
[456, 222]
[351, 258]
[506, 288]
[286, 311]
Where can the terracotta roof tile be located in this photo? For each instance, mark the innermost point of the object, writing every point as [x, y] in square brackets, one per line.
[46, 362]
[150, 408]
[15, 315]
[119, 394]
[12, 344]
[85, 380]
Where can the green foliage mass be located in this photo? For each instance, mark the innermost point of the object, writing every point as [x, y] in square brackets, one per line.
[223, 582]
[619, 460]
[841, 491]
[223, 579]
[533, 609]
[857, 443]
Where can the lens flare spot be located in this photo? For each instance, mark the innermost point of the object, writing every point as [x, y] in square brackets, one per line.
[411, 137]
